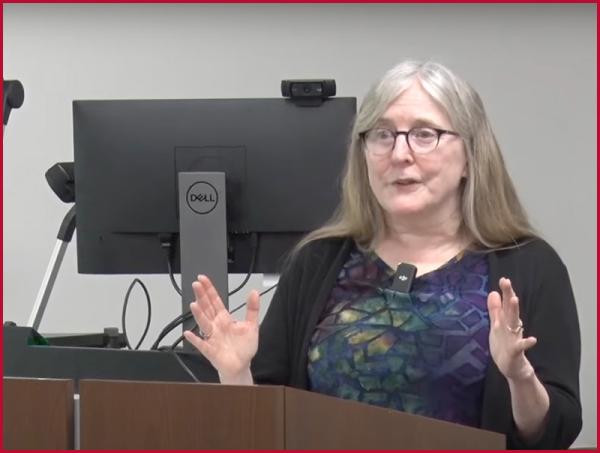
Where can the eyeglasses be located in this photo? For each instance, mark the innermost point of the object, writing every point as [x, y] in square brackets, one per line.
[421, 140]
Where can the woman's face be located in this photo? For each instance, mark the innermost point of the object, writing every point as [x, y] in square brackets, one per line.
[409, 184]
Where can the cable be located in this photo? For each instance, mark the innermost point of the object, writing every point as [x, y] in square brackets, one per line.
[174, 345]
[254, 247]
[172, 277]
[245, 303]
[126, 303]
[268, 289]
[172, 325]
[179, 340]
[195, 329]
[168, 244]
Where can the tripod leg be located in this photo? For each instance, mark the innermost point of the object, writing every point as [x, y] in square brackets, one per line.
[47, 284]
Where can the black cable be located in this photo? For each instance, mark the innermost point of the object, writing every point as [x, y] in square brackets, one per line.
[172, 277]
[180, 319]
[168, 244]
[254, 246]
[268, 289]
[174, 345]
[245, 303]
[126, 303]
[195, 329]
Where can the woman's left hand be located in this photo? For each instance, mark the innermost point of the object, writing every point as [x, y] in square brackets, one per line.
[507, 345]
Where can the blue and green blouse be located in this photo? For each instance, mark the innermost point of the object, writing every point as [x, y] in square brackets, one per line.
[425, 352]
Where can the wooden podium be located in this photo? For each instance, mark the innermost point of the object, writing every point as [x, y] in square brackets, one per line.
[38, 413]
[150, 415]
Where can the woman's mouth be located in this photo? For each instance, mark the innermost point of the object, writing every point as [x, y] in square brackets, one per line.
[405, 182]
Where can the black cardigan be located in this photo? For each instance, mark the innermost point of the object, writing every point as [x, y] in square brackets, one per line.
[547, 308]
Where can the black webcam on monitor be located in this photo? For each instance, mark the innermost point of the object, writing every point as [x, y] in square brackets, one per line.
[308, 91]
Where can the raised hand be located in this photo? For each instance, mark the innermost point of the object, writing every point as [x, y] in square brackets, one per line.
[228, 344]
[507, 345]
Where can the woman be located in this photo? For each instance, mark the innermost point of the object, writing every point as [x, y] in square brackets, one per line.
[488, 334]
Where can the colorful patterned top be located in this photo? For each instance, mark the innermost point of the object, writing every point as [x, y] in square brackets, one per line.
[425, 352]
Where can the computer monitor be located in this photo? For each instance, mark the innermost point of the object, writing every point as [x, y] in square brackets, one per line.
[282, 163]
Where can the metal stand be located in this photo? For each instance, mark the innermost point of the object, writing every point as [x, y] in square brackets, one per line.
[65, 234]
[202, 235]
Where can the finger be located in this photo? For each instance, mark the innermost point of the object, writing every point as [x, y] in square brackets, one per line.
[205, 324]
[201, 345]
[510, 303]
[526, 343]
[511, 311]
[506, 288]
[494, 308]
[252, 307]
[212, 295]
[202, 299]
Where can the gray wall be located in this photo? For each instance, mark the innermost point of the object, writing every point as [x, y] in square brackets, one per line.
[534, 66]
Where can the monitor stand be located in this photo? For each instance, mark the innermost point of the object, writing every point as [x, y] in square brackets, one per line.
[202, 235]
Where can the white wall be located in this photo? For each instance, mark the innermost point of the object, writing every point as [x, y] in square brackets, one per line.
[534, 66]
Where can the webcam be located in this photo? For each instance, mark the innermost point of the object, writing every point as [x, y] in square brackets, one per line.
[308, 89]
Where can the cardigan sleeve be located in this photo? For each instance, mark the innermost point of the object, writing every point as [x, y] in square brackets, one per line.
[306, 279]
[271, 363]
[549, 314]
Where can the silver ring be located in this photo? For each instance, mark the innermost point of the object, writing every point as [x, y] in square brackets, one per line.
[205, 336]
[516, 330]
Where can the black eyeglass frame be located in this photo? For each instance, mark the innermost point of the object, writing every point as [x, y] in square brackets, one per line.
[438, 131]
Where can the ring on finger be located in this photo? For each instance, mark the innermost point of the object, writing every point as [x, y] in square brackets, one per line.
[516, 330]
[205, 336]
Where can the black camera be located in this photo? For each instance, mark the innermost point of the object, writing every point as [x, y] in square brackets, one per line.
[303, 89]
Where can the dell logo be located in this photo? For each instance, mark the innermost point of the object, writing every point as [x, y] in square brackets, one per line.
[202, 197]
[208, 197]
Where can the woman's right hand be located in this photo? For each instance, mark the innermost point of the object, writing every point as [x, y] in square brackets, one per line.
[228, 344]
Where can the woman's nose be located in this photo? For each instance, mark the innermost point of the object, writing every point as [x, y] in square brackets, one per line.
[401, 151]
